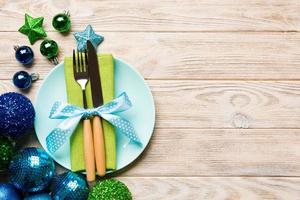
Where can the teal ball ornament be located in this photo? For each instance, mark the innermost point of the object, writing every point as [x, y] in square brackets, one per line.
[31, 170]
[44, 196]
[69, 186]
[8, 192]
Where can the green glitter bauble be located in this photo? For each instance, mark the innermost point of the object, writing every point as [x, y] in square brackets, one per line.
[111, 189]
[61, 22]
[49, 48]
[6, 152]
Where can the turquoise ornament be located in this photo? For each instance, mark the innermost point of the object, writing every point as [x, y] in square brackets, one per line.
[38, 197]
[31, 170]
[8, 192]
[69, 186]
[87, 34]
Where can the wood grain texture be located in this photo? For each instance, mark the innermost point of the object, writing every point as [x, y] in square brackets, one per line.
[225, 76]
[208, 56]
[220, 104]
[160, 15]
[215, 152]
[214, 188]
[226, 104]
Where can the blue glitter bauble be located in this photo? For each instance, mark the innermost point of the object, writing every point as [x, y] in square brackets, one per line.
[38, 197]
[31, 170]
[16, 114]
[24, 55]
[8, 192]
[69, 186]
[22, 80]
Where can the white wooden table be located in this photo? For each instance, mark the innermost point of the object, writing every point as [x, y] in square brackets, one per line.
[226, 81]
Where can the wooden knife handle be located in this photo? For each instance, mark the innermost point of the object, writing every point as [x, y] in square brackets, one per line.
[99, 146]
[89, 157]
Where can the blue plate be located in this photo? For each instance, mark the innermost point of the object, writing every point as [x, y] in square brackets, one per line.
[141, 115]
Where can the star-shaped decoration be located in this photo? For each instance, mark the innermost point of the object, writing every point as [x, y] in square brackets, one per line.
[87, 34]
[33, 28]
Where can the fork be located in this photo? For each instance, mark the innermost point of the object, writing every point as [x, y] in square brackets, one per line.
[81, 75]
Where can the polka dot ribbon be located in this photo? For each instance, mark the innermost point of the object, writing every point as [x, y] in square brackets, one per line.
[72, 115]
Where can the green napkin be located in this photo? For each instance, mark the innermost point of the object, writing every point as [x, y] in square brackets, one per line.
[74, 95]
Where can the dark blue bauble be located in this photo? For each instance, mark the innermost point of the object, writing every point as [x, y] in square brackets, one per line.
[16, 114]
[69, 186]
[24, 55]
[31, 170]
[22, 80]
[38, 197]
[8, 192]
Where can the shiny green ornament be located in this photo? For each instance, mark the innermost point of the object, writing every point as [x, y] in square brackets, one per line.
[110, 189]
[62, 22]
[6, 152]
[49, 49]
[33, 28]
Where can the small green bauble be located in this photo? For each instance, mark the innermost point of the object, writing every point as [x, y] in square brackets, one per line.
[6, 152]
[110, 189]
[49, 49]
[61, 22]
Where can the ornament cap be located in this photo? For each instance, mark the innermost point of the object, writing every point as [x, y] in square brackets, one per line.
[54, 61]
[67, 13]
[34, 76]
[16, 47]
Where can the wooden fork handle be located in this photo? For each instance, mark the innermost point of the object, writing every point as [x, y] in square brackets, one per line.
[99, 146]
[89, 157]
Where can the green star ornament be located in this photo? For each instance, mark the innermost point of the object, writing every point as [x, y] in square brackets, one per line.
[33, 28]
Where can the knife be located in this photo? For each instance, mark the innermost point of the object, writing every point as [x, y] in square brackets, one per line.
[97, 97]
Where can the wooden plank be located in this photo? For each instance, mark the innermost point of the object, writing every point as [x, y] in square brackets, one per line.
[213, 188]
[220, 104]
[215, 152]
[209, 56]
[160, 15]
[207, 188]
[226, 104]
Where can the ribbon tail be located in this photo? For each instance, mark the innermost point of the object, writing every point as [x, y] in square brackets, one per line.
[123, 125]
[61, 135]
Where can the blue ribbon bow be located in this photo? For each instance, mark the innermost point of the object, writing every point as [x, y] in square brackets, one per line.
[73, 114]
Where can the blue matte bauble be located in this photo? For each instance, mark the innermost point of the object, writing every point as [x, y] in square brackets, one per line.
[24, 55]
[38, 197]
[31, 170]
[22, 80]
[69, 186]
[16, 114]
[8, 192]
